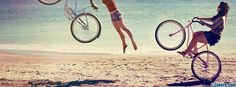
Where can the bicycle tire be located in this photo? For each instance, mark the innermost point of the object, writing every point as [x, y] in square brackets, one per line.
[49, 2]
[77, 37]
[158, 36]
[205, 78]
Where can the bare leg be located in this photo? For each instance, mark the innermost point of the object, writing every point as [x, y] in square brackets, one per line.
[122, 37]
[121, 24]
[197, 37]
[195, 50]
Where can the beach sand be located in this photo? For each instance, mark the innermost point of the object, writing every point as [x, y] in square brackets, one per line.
[99, 70]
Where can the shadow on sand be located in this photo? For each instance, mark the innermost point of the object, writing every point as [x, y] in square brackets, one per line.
[191, 83]
[69, 84]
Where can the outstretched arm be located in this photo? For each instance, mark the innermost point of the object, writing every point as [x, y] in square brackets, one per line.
[214, 25]
[206, 19]
[93, 4]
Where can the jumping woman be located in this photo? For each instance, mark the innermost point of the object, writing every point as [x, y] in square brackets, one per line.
[117, 22]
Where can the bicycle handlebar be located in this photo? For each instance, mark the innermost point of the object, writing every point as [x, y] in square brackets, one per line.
[196, 20]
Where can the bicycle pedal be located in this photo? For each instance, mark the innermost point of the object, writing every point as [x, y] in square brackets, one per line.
[188, 57]
[205, 69]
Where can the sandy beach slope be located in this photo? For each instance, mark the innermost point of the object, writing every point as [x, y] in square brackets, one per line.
[75, 69]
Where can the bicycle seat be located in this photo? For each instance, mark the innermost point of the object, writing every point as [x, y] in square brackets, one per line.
[94, 5]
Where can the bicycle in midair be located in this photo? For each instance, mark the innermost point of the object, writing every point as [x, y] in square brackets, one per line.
[85, 27]
[171, 35]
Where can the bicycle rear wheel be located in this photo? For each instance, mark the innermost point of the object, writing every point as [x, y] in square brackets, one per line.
[85, 28]
[163, 35]
[49, 2]
[203, 70]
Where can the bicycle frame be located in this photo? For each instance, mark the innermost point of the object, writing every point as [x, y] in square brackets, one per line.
[75, 9]
[189, 28]
[202, 61]
[71, 14]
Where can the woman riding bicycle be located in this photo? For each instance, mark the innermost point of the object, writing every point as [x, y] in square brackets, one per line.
[213, 36]
[117, 22]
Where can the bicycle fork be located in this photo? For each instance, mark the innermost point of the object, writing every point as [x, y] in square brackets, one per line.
[71, 15]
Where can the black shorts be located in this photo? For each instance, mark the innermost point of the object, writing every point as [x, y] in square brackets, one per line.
[212, 38]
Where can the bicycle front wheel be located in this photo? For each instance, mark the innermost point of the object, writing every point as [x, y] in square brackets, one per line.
[170, 35]
[206, 66]
[49, 2]
[85, 28]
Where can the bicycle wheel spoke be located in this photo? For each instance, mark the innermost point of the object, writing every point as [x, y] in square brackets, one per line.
[206, 66]
[78, 24]
[86, 29]
[170, 35]
[199, 63]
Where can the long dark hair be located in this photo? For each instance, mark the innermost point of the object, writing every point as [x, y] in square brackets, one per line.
[224, 9]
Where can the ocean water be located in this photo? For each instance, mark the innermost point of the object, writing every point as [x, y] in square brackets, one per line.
[30, 25]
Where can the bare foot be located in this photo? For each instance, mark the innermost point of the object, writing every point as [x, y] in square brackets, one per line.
[124, 48]
[182, 53]
[135, 46]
